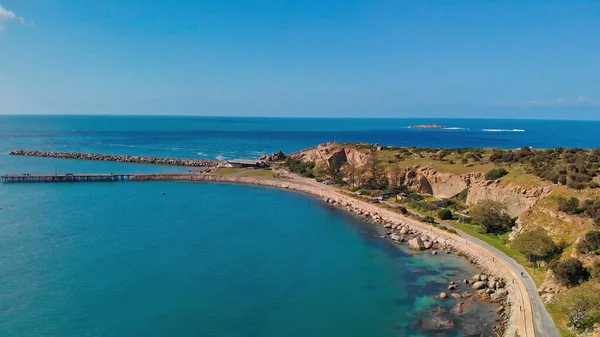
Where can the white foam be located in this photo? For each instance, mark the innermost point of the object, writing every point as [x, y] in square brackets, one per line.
[503, 130]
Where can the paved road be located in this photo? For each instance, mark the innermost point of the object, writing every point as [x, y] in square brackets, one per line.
[543, 323]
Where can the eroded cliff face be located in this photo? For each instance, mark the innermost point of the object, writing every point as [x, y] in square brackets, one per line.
[517, 198]
[442, 185]
[447, 185]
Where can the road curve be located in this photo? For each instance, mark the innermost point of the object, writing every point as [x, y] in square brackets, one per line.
[543, 323]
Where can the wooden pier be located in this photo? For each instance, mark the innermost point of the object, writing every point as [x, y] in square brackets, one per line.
[68, 177]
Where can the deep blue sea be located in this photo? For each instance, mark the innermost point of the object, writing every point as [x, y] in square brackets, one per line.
[122, 259]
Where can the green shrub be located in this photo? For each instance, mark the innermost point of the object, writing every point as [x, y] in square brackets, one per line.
[570, 205]
[496, 173]
[570, 272]
[444, 214]
[302, 168]
[536, 245]
[589, 243]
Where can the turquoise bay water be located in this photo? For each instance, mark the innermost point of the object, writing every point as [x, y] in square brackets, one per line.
[122, 259]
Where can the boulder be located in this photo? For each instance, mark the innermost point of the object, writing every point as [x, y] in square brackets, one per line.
[404, 230]
[456, 296]
[416, 243]
[497, 296]
[483, 277]
[427, 244]
[489, 291]
[452, 287]
[500, 284]
[443, 295]
[476, 277]
[492, 284]
[502, 291]
[465, 281]
[479, 285]
[467, 294]
[434, 253]
[395, 237]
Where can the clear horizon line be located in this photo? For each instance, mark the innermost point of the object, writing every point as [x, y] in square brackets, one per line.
[291, 117]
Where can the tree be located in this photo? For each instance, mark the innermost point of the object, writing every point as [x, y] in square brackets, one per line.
[496, 173]
[444, 214]
[350, 168]
[589, 243]
[536, 245]
[570, 205]
[376, 171]
[570, 272]
[395, 175]
[492, 216]
[579, 303]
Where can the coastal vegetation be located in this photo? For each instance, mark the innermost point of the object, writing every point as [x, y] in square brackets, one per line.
[302, 168]
[492, 216]
[496, 173]
[536, 244]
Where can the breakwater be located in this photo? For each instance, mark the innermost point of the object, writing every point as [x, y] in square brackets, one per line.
[191, 162]
[57, 178]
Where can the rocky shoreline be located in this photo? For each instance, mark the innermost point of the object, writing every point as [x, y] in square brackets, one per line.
[495, 284]
[119, 158]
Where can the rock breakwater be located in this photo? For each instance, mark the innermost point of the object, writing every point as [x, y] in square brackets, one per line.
[118, 158]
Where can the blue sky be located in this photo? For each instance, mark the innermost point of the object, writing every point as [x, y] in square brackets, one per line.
[497, 59]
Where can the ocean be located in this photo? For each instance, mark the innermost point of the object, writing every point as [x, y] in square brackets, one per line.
[203, 259]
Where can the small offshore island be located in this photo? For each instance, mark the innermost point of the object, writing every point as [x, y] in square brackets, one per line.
[528, 204]
[427, 126]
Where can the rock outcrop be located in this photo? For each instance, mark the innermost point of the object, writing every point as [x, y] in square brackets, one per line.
[332, 155]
